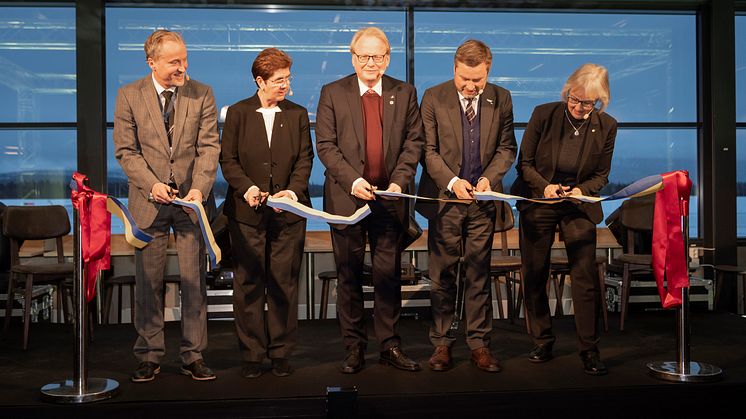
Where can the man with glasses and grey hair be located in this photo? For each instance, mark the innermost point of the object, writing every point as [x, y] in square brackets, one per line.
[369, 136]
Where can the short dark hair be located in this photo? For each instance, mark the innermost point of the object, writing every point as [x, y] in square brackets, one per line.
[473, 53]
[268, 61]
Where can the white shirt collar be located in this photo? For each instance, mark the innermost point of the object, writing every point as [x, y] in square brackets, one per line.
[271, 110]
[462, 101]
[160, 89]
[378, 88]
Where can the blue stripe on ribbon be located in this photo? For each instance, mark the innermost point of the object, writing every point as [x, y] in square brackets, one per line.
[132, 233]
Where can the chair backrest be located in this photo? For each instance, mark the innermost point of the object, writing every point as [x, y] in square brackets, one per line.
[636, 217]
[637, 214]
[35, 223]
[504, 221]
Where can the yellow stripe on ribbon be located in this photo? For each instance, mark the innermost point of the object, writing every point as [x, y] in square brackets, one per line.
[213, 249]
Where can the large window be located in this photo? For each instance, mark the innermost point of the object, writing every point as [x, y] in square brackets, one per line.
[37, 110]
[651, 62]
[741, 125]
[650, 57]
[222, 44]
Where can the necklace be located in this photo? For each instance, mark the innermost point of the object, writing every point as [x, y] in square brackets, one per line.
[577, 129]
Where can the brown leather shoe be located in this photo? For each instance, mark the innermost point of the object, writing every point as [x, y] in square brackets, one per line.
[484, 360]
[441, 358]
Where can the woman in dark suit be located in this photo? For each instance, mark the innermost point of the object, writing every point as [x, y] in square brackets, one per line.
[266, 151]
[566, 150]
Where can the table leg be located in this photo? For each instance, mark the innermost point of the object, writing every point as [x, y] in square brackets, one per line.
[310, 294]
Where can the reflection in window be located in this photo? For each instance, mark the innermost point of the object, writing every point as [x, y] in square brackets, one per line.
[36, 164]
[222, 44]
[651, 58]
[740, 69]
[37, 56]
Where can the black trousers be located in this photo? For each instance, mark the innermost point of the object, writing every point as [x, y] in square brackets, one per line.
[384, 234]
[469, 227]
[267, 259]
[538, 223]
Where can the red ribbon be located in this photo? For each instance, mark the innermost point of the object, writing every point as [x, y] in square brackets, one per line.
[95, 226]
[669, 258]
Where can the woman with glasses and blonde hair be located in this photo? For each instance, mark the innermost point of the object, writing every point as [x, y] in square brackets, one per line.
[266, 151]
[566, 150]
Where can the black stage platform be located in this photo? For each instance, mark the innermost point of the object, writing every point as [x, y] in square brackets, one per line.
[558, 388]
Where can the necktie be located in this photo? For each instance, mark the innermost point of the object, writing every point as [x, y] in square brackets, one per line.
[168, 114]
[470, 110]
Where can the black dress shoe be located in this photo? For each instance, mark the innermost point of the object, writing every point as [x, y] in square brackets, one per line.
[592, 363]
[281, 367]
[354, 361]
[395, 357]
[145, 372]
[198, 371]
[541, 353]
[251, 370]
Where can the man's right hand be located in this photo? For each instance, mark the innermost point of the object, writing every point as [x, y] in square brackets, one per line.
[556, 191]
[364, 191]
[162, 193]
[463, 189]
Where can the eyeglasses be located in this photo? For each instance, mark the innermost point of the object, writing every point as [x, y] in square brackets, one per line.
[363, 59]
[585, 104]
[281, 81]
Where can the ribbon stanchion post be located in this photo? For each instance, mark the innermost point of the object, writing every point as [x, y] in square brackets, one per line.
[672, 208]
[81, 388]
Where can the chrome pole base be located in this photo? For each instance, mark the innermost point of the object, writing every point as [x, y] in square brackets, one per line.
[698, 372]
[65, 392]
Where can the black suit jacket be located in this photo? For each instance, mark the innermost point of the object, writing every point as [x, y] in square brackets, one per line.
[340, 141]
[247, 159]
[441, 116]
[540, 149]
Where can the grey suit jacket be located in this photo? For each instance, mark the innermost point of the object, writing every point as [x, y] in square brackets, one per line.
[340, 140]
[541, 146]
[441, 115]
[141, 142]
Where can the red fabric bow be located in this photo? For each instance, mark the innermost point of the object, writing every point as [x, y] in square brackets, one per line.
[95, 227]
[669, 257]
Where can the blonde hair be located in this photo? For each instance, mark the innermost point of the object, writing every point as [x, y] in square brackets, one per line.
[156, 39]
[592, 78]
[370, 31]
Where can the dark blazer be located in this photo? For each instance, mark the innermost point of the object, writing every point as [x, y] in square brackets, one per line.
[540, 150]
[441, 116]
[340, 141]
[246, 158]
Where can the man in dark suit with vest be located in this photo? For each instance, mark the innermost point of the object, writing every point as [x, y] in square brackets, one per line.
[369, 136]
[470, 145]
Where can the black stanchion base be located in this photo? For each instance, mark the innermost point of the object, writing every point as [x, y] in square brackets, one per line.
[66, 393]
[697, 372]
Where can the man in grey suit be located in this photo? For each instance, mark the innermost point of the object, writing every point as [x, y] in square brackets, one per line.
[166, 140]
[369, 136]
[469, 146]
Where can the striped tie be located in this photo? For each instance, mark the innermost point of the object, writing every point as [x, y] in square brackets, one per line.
[470, 110]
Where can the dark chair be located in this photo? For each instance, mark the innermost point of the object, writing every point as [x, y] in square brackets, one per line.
[504, 265]
[560, 268]
[36, 223]
[129, 281]
[721, 271]
[636, 219]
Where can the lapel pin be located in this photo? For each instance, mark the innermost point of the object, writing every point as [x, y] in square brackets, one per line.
[593, 130]
[391, 102]
[490, 101]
